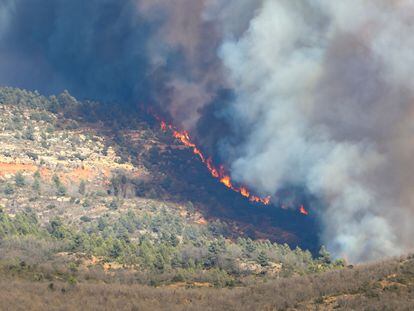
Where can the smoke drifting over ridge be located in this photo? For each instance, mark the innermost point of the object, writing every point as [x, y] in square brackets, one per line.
[120, 51]
[321, 92]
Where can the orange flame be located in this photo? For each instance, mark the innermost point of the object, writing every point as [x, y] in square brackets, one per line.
[303, 210]
[218, 173]
[163, 126]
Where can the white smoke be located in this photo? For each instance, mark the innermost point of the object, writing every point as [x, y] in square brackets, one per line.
[324, 91]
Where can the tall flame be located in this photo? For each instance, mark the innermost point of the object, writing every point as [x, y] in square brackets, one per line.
[218, 173]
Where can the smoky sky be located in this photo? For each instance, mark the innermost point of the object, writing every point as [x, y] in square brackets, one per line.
[314, 94]
[96, 49]
[158, 53]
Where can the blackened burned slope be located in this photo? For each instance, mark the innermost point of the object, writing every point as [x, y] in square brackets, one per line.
[187, 179]
[179, 175]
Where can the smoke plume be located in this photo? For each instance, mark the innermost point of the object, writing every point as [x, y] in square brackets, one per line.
[317, 93]
[324, 93]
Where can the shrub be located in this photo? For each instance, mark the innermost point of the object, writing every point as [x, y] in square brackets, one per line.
[8, 189]
[114, 204]
[32, 155]
[86, 219]
[61, 190]
[28, 134]
[36, 185]
[20, 180]
[82, 187]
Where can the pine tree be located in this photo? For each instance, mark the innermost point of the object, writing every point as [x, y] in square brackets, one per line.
[324, 256]
[262, 259]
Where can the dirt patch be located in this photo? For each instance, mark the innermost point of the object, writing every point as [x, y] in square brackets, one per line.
[13, 168]
[79, 174]
[75, 175]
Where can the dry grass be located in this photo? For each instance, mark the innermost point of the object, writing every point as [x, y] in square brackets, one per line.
[382, 286]
[20, 295]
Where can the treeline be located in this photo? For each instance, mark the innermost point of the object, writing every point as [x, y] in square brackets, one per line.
[16, 96]
[118, 116]
[165, 248]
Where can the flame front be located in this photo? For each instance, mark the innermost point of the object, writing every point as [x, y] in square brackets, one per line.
[303, 210]
[218, 173]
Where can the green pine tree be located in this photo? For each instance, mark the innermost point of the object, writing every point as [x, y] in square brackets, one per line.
[262, 259]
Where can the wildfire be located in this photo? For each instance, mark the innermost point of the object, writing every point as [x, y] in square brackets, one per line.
[218, 173]
[163, 126]
[303, 210]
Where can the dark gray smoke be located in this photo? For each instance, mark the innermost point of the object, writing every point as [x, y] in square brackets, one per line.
[96, 49]
[128, 51]
[317, 92]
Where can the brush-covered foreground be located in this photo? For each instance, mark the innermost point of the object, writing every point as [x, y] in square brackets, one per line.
[382, 286]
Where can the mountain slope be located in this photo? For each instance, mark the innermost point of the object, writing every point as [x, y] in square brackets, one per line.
[79, 193]
[95, 213]
[85, 138]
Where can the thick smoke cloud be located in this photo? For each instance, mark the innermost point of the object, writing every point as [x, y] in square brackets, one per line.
[324, 93]
[96, 49]
[317, 92]
[152, 52]
[184, 47]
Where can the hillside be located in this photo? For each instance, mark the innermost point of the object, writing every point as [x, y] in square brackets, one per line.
[96, 210]
[79, 192]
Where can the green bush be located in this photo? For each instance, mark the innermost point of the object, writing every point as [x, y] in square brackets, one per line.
[61, 190]
[82, 187]
[8, 189]
[20, 180]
